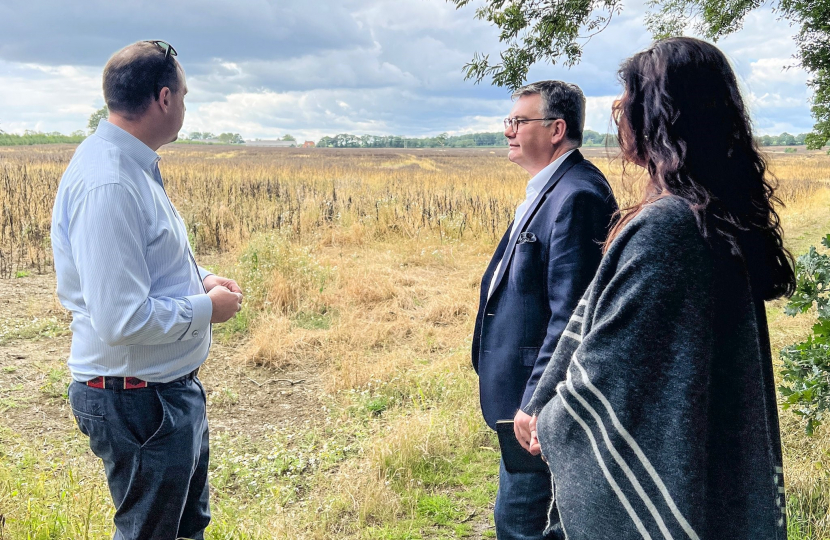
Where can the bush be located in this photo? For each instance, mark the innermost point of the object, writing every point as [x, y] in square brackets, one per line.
[806, 370]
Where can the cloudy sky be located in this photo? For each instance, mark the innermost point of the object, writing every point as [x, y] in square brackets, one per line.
[263, 68]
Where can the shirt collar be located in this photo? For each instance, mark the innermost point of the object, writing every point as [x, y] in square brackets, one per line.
[538, 182]
[129, 144]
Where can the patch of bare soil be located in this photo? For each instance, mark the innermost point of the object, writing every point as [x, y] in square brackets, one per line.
[244, 399]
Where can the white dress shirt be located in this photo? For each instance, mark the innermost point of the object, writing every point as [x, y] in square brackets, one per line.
[124, 265]
[534, 187]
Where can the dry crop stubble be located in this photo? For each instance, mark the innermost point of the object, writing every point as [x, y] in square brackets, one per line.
[366, 265]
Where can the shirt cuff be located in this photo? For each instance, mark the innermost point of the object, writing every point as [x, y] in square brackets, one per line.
[202, 312]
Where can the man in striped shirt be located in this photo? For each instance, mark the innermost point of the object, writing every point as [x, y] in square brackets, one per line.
[141, 307]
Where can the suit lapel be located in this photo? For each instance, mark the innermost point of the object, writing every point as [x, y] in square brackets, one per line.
[569, 162]
[494, 261]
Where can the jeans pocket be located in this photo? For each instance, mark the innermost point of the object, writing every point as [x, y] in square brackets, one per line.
[83, 402]
[201, 387]
[166, 421]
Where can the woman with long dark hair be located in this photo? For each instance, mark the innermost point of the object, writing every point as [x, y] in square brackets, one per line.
[657, 412]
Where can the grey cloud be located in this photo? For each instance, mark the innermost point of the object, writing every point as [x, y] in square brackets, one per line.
[87, 32]
[381, 111]
[364, 66]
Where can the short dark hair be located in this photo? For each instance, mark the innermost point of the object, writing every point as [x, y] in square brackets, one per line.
[135, 75]
[560, 100]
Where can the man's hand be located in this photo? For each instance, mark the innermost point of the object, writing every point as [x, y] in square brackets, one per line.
[213, 280]
[225, 303]
[521, 427]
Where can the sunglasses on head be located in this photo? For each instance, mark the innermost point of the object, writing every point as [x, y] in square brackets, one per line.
[164, 46]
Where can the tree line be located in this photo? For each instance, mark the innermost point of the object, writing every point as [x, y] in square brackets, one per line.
[590, 138]
[36, 137]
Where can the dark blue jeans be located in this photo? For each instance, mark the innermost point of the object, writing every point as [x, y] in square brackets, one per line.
[154, 445]
[522, 505]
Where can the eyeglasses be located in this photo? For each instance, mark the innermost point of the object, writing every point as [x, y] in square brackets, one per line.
[513, 123]
[168, 52]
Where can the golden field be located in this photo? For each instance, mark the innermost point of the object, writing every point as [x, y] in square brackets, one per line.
[342, 398]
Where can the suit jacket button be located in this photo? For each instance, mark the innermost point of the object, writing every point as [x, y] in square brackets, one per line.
[195, 333]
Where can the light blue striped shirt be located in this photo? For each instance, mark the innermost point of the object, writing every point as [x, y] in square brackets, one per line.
[124, 265]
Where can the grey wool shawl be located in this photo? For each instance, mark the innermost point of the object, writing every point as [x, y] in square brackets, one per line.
[657, 412]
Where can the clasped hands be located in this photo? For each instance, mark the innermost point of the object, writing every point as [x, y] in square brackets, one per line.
[225, 295]
[524, 426]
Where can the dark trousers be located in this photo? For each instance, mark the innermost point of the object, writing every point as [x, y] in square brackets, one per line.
[154, 445]
[522, 505]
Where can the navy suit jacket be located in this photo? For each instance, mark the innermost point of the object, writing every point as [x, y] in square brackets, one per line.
[539, 284]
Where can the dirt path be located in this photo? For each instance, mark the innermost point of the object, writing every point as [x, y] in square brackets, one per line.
[33, 375]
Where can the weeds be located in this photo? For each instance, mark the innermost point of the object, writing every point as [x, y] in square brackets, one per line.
[36, 328]
[364, 266]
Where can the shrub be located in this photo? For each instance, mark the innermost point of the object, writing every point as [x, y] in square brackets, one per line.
[806, 371]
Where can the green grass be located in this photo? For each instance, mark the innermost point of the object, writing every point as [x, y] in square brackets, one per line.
[312, 320]
[56, 385]
[224, 397]
[268, 256]
[51, 491]
[804, 506]
[278, 484]
[36, 328]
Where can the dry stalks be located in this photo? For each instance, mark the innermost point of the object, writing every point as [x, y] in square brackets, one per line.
[337, 197]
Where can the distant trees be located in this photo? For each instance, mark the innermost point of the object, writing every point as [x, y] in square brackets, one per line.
[35, 137]
[469, 140]
[785, 139]
[96, 117]
[231, 138]
[208, 137]
[594, 138]
[496, 138]
[288, 137]
[347, 140]
[201, 135]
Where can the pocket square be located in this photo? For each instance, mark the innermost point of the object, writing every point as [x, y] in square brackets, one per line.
[526, 238]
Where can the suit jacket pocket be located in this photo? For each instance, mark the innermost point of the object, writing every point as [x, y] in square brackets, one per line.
[529, 355]
[526, 268]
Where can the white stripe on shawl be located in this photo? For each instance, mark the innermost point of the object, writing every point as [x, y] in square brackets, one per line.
[639, 453]
[619, 459]
[614, 486]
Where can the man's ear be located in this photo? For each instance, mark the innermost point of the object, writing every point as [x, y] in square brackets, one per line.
[559, 131]
[165, 97]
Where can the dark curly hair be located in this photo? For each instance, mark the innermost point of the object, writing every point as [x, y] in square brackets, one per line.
[681, 116]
